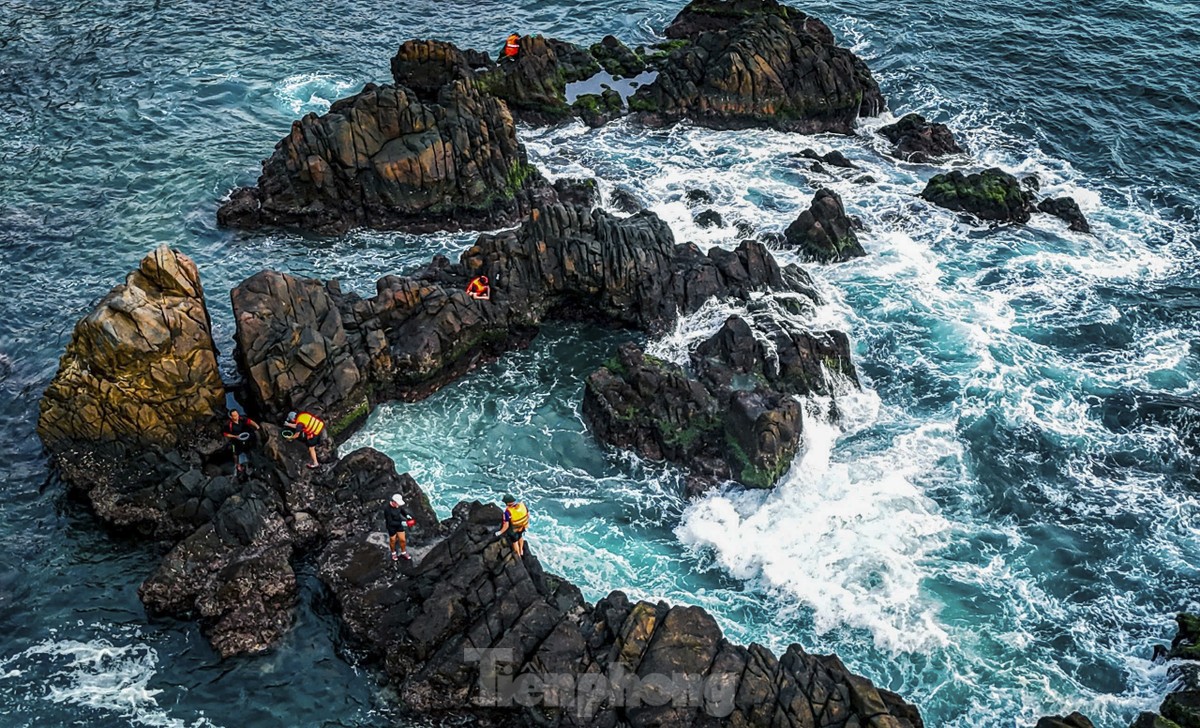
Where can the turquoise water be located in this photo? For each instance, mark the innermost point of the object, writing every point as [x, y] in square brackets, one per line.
[971, 534]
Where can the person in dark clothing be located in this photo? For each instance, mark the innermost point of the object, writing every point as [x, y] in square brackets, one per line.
[398, 521]
[242, 435]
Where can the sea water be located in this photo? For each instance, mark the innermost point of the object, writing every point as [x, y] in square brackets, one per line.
[970, 533]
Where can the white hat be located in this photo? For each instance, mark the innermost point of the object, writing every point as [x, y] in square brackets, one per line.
[398, 499]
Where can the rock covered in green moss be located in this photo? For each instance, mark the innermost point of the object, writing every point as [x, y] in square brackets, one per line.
[616, 58]
[735, 416]
[992, 194]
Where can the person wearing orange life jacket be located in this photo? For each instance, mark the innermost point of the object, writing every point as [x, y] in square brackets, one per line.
[479, 288]
[512, 46]
[309, 428]
[516, 520]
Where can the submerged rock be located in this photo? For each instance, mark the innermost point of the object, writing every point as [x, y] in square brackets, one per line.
[992, 194]
[387, 158]
[1066, 209]
[918, 140]
[824, 232]
[744, 64]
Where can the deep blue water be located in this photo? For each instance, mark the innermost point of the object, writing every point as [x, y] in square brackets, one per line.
[974, 534]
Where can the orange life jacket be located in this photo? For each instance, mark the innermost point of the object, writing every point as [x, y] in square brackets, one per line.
[518, 516]
[310, 425]
[477, 286]
[512, 45]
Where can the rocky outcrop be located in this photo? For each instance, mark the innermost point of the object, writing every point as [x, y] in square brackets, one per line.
[918, 140]
[833, 158]
[306, 344]
[137, 386]
[388, 158]
[824, 232]
[1181, 707]
[534, 84]
[992, 194]
[141, 367]
[1074, 720]
[1067, 210]
[745, 64]
[473, 633]
[616, 58]
[737, 418]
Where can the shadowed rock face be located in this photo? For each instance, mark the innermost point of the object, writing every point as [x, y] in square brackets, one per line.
[1066, 209]
[469, 628]
[757, 64]
[992, 194]
[824, 232]
[917, 140]
[387, 159]
[304, 344]
[737, 417]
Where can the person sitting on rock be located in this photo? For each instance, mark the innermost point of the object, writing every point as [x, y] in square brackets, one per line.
[479, 289]
[309, 428]
[398, 521]
[516, 520]
[242, 434]
[512, 46]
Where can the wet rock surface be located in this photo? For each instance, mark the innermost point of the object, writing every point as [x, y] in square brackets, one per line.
[824, 232]
[304, 344]
[735, 415]
[1067, 210]
[756, 64]
[918, 140]
[992, 194]
[389, 158]
[471, 631]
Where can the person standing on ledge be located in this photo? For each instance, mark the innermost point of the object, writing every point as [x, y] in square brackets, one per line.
[516, 520]
[512, 46]
[309, 428]
[397, 520]
[242, 434]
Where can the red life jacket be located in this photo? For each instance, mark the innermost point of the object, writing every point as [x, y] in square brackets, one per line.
[512, 46]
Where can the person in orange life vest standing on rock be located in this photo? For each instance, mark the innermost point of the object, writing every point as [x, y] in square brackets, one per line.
[516, 520]
[309, 428]
[397, 520]
[512, 46]
[479, 288]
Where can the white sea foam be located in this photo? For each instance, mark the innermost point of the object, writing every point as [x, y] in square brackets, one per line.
[311, 92]
[98, 675]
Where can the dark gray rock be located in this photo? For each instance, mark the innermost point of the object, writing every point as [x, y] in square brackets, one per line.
[824, 232]
[1066, 209]
[992, 194]
[917, 140]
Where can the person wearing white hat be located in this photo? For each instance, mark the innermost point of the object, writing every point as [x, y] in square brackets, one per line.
[398, 521]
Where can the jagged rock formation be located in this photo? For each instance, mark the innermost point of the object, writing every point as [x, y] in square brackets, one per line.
[389, 158]
[141, 367]
[467, 609]
[138, 379]
[1074, 720]
[1181, 708]
[474, 633]
[736, 418]
[917, 140]
[833, 158]
[1066, 209]
[824, 232]
[992, 194]
[754, 64]
[306, 344]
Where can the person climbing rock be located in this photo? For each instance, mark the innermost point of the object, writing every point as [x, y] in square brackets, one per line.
[309, 428]
[479, 289]
[398, 520]
[516, 520]
[242, 434]
[512, 46]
